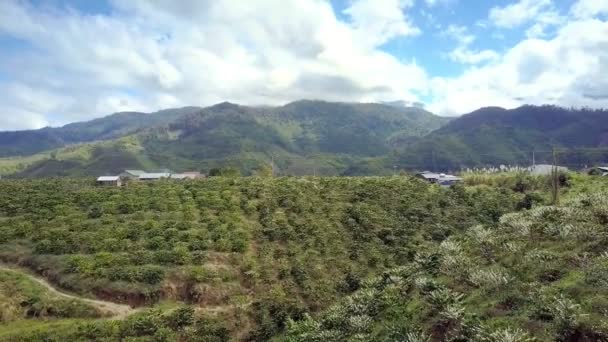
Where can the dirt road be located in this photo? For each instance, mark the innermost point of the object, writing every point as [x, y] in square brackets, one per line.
[117, 311]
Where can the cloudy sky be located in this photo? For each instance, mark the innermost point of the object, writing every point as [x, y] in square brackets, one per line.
[65, 61]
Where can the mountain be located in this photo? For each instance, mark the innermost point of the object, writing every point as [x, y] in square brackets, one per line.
[310, 137]
[21, 143]
[494, 136]
[302, 137]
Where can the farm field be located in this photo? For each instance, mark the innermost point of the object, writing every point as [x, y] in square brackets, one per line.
[304, 258]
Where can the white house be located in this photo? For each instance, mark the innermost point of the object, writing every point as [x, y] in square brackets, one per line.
[131, 174]
[153, 176]
[109, 181]
[439, 178]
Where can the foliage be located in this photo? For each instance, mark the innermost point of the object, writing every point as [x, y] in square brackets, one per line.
[535, 275]
[287, 246]
[21, 298]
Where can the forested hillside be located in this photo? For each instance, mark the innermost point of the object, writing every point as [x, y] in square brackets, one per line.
[310, 137]
[494, 136]
[303, 137]
[303, 259]
[23, 143]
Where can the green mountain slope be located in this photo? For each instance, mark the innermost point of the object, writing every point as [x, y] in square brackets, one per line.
[301, 137]
[494, 136]
[23, 143]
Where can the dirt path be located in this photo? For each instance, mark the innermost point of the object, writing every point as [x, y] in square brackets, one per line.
[118, 311]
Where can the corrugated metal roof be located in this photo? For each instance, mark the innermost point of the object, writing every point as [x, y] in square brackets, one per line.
[108, 179]
[438, 176]
[154, 175]
[135, 172]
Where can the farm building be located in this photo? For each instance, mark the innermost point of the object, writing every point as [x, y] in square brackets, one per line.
[109, 181]
[439, 178]
[545, 169]
[598, 171]
[154, 176]
[131, 174]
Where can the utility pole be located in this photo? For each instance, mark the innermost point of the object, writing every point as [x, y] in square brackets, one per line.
[434, 161]
[554, 180]
[272, 164]
[533, 159]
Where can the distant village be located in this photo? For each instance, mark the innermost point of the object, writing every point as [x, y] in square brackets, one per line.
[442, 179]
[144, 176]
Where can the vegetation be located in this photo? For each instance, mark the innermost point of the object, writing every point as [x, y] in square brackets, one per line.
[494, 136]
[534, 274]
[308, 259]
[264, 250]
[117, 125]
[304, 137]
[22, 298]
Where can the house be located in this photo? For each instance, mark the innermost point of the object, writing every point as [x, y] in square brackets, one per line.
[545, 169]
[598, 171]
[131, 174]
[109, 181]
[439, 178]
[153, 176]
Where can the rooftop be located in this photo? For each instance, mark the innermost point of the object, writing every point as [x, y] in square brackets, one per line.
[439, 176]
[154, 175]
[108, 179]
[135, 172]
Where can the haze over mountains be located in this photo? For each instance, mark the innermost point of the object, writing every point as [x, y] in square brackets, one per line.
[302, 137]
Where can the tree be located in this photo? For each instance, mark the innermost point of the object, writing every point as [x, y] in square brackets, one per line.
[225, 172]
[264, 170]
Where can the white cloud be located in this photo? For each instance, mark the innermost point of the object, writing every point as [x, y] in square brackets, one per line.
[148, 55]
[433, 3]
[377, 21]
[17, 119]
[518, 13]
[459, 33]
[589, 8]
[566, 70]
[463, 53]
[466, 56]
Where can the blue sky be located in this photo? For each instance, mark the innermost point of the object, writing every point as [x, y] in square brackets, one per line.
[69, 60]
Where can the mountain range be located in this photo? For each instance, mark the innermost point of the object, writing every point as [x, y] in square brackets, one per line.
[306, 137]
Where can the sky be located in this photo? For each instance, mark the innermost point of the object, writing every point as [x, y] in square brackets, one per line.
[72, 60]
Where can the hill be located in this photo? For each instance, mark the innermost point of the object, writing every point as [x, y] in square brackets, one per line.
[315, 137]
[23, 143]
[302, 137]
[494, 136]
